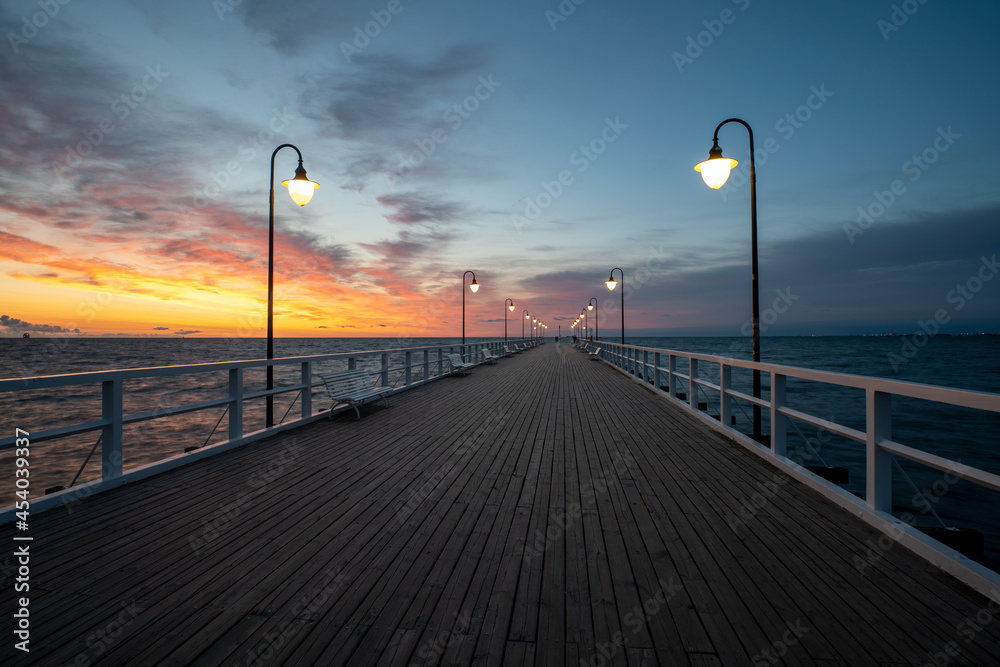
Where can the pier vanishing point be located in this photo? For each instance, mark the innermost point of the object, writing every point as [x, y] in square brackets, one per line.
[545, 510]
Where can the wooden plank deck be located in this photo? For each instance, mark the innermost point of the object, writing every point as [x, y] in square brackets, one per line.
[543, 511]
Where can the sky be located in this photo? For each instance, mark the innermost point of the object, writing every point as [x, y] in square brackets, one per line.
[537, 144]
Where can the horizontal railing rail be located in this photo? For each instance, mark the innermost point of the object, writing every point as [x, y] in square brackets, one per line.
[431, 359]
[647, 365]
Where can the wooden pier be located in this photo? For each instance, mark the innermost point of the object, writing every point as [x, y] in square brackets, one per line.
[546, 510]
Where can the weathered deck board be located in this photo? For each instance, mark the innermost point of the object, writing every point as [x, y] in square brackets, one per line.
[546, 510]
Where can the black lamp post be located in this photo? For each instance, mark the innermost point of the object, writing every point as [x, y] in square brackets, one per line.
[474, 286]
[715, 172]
[597, 323]
[511, 307]
[301, 190]
[526, 317]
[612, 283]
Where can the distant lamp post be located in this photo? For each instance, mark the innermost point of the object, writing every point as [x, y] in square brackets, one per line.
[715, 172]
[511, 307]
[534, 321]
[612, 283]
[301, 190]
[592, 305]
[526, 317]
[586, 322]
[474, 286]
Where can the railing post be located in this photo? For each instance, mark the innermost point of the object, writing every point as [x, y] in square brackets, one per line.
[307, 390]
[645, 365]
[656, 370]
[725, 402]
[440, 362]
[407, 362]
[671, 371]
[352, 363]
[385, 369]
[427, 365]
[692, 385]
[878, 483]
[778, 420]
[111, 443]
[235, 404]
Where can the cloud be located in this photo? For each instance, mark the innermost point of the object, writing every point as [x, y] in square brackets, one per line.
[184, 332]
[161, 328]
[15, 325]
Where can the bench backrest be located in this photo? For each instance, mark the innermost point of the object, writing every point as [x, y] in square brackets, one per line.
[486, 353]
[456, 359]
[347, 382]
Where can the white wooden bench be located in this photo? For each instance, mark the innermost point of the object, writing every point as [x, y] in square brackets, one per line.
[458, 364]
[487, 357]
[595, 353]
[353, 388]
[507, 352]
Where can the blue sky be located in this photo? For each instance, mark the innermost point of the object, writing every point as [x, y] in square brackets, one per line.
[440, 139]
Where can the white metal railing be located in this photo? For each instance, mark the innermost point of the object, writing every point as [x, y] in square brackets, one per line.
[647, 365]
[431, 360]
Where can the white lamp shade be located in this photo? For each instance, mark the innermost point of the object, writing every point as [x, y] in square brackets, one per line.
[715, 172]
[300, 189]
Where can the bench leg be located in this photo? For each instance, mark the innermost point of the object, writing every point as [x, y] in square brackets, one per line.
[356, 411]
[384, 401]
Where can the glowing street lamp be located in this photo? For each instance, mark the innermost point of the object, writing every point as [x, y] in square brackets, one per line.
[301, 190]
[715, 171]
[511, 307]
[612, 283]
[592, 305]
[526, 317]
[474, 286]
